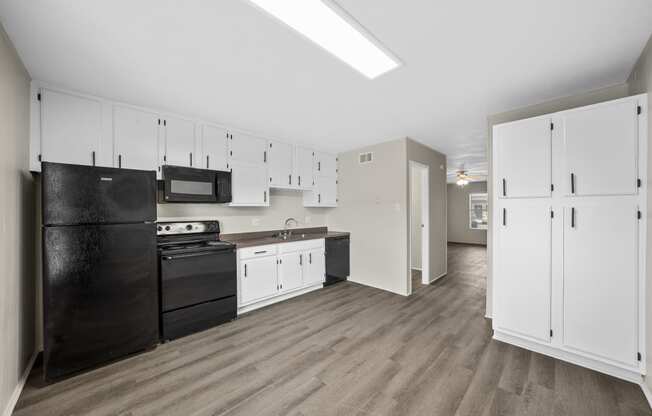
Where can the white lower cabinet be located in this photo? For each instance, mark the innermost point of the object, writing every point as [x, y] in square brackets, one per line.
[271, 273]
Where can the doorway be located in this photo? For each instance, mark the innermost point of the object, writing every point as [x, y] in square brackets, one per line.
[419, 226]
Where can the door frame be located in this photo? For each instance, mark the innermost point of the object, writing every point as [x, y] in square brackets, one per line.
[424, 171]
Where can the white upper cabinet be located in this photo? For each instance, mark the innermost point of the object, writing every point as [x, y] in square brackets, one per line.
[281, 165]
[135, 138]
[180, 145]
[600, 149]
[246, 148]
[323, 194]
[304, 162]
[523, 254]
[71, 128]
[325, 164]
[214, 144]
[600, 279]
[522, 157]
[249, 184]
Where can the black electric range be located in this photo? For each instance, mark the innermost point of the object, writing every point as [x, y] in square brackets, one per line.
[197, 275]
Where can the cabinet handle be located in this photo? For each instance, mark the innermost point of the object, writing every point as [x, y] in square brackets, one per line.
[504, 187]
[260, 252]
[207, 162]
[300, 259]
[265, 156]
[119, 161]
[264, 196]
[572, 183]
[245, 270]
[310, 258]
[573, 217]
[319, 166]
[299, 180]
[190, 158]
[504, 216]
[93, 157]
[319, 198]
[290, 179]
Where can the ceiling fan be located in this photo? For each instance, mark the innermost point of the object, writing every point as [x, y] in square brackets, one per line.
[463, 178]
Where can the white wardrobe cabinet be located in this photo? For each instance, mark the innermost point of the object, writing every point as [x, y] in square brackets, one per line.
[600, 146]
[600, 278]
[281, 165]
[215, 148]
[71, 128]
[180, 142]
[522, 158]
[569, 265]
[522, 303]
[135, 138]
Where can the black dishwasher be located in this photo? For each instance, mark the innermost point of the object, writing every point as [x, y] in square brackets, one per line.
[337, 259]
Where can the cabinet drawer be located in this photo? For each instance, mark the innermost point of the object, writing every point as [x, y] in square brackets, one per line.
[300, 246]
[258, 251]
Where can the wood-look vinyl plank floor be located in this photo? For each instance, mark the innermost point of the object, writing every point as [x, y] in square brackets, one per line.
[346, 350]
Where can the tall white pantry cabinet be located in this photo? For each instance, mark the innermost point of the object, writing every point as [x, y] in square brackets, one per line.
[569, 221]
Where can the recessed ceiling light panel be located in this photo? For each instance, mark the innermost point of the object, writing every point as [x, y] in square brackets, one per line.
[324, 23]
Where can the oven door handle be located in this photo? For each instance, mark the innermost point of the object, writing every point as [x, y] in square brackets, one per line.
[203, 253]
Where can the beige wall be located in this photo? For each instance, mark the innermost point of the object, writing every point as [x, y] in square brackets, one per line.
[458, 214]
[17, 227]
[560, 104]
[415, 217]
[437, 205]
[283, 204]
[640, 81]
[373, 207]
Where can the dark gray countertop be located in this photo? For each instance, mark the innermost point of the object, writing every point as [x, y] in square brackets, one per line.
[260, 238]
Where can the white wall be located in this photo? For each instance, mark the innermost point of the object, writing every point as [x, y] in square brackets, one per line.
[17, 229]
[415, 215]
[640, 81]
[373, 207]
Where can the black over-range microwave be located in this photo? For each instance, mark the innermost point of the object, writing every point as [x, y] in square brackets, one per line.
[182, 184]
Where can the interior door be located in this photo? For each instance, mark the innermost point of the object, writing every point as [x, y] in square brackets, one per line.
[304, 166]
[71, 128]
[600, 269]
[249, 184]
[258, 279]
[135, 138]
[601, 149]
[522, 277]
[249, 149]
[180, 142]
[281, 161]
[314, 266]
[289, 271]
[215, 148]
[522, 158]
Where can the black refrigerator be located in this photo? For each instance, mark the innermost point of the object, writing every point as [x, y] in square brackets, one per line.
[100, 284]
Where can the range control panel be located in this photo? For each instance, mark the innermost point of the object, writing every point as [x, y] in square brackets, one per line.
[169, 228]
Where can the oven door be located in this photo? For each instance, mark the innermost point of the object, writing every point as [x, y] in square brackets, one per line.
[183, 184]
[192, 278]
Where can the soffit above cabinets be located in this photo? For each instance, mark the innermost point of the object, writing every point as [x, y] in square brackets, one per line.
[227, 61]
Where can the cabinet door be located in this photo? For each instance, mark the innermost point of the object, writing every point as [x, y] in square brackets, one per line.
[326, 190]
[522, 158]
[249, 149]
[325, 164]
[281, 161]
[258, 279]
[523, 269]
[71, 128]
[214, 148]
[289, 271]
[135, 138]
[314, 266]
[304, 166]
[600, 149]
[179, 142]
[249, 184]
[600, 279]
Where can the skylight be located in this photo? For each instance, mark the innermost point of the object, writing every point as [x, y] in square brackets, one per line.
[330, 28]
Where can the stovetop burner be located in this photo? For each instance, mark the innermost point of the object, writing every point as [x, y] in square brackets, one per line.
[188, 237]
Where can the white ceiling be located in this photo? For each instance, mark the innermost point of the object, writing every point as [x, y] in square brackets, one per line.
[225, 60]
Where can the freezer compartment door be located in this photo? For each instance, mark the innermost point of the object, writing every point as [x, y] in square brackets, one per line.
[100, 295]
[74, 194]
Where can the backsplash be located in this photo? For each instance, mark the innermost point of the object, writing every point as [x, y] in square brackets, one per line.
[283, 204]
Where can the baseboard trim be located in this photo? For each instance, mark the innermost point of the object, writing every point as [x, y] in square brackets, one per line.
[270, 301]
[599, 366]
[646, 392]
[13, 400]
[431, 281]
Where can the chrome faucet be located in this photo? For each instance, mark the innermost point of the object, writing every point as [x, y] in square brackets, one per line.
[286, 232]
